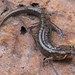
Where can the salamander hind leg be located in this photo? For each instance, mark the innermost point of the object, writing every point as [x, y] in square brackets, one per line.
[59, 31]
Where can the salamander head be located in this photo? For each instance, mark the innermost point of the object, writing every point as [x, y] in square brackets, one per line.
[68, 49]
[64, 51]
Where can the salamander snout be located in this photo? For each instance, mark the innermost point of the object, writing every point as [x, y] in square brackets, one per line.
[69, 49]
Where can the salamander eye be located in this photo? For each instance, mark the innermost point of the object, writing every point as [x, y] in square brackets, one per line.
[71, 47]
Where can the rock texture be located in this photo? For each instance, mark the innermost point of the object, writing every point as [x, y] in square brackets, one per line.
[19, 54]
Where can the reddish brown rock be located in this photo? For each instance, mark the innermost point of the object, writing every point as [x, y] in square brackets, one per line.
[19, 54]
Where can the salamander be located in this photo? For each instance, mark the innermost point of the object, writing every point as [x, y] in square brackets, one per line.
[44, 34]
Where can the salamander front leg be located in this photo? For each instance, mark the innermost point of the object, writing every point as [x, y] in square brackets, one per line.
[47, 60]
[58, 30]
[32, 26]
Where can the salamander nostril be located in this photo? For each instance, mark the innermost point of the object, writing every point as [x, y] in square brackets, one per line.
[23, 30]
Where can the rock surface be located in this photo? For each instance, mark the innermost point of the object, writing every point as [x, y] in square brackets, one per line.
[19, 54]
